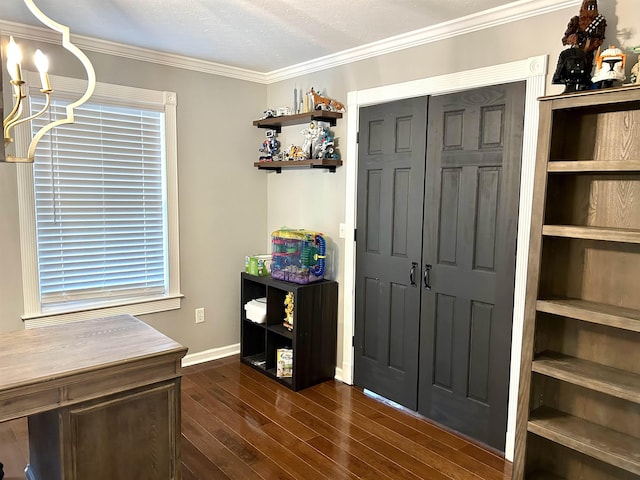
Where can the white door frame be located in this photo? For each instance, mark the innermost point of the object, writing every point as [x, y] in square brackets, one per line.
[533, 70]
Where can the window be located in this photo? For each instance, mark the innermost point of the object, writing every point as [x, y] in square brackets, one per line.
[99, 206]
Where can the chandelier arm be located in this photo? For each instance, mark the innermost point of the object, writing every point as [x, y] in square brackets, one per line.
[18, 121]
[17, 107]
[86, 63]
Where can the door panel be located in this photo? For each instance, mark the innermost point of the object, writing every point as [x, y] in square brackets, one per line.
[471, 209]
[391, 164]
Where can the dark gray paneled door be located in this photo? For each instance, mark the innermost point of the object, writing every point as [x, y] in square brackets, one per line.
[471, 213]
[391, 165]
[435, 254]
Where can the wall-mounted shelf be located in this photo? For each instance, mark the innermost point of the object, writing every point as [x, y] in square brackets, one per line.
[276, 123]
[313, 163]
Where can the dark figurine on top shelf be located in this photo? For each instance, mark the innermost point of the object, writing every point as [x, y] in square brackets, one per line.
[584, 35]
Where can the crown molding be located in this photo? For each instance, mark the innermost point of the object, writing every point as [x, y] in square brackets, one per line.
[40, 34]
[518, 10]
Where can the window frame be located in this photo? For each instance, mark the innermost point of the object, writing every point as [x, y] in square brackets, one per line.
[34, 315]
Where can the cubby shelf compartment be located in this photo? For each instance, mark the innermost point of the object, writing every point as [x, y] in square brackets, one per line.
[606, 234]
[276, 166]
[609, 446]
[594, 376]
[276, 123]
[600, 313]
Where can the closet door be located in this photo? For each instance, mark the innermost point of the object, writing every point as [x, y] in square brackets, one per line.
[391, 164]
[471, 213]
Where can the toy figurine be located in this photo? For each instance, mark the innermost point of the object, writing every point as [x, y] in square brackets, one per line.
[634, 76]
[288, 311]
[610, 65]
[573, 70]
[327, 146]
[586, 30]
[324, 103]
[584, 35]
[270, 146]
[312, 136]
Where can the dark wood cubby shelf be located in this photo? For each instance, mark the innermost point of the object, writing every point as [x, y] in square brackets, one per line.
[313, 338]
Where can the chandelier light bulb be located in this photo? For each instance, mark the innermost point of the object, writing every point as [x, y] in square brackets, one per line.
[14, 57]
[42, 64]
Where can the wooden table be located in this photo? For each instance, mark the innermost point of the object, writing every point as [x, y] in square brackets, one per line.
[102, 399]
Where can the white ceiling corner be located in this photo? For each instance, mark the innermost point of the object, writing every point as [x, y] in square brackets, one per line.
[245, 29]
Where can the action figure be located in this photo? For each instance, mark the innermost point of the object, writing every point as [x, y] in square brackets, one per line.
[635, 72]
[270, 146]
[584, 35]
[610, 65]
[586, 31]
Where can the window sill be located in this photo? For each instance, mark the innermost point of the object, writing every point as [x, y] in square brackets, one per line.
[162, 304]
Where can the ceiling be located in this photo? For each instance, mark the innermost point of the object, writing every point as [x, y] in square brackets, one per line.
[257, 35]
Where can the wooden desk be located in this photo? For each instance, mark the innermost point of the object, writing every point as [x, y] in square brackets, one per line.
[102, 399]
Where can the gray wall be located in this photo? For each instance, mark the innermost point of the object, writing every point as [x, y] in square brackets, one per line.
[222, 198]
[227, 207]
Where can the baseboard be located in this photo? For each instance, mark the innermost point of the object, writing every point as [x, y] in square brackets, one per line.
[211, 354]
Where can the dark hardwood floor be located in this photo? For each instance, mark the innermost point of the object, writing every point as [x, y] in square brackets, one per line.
[238, 424]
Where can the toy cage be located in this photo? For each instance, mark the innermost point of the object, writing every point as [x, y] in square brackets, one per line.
[298, 256]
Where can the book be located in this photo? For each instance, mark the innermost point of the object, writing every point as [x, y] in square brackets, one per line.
[284, 362]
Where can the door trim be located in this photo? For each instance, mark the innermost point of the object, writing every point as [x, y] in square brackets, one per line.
[533, 70]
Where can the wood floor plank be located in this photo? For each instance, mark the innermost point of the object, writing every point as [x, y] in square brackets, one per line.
[238, 424]
[199, 465]
[276, 413]
[308, 454]
[216, 402]
[418, 449]
[234, 466]
[405, 460]
[345, 458]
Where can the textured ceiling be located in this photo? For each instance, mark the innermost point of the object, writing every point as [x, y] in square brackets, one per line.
[257, 35]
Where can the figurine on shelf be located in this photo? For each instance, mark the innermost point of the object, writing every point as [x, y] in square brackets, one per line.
[288, 311]
[270, 146]
[610, 65]
[324, 103]
[312, 135]
[292, 153]
[327, 146]
[635, 73]
[573, 70]
[584, 35]
[586, 30]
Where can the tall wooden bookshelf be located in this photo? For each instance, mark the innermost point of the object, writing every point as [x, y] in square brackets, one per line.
[579, 397]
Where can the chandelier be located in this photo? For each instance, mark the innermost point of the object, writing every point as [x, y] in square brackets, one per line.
[19, 88]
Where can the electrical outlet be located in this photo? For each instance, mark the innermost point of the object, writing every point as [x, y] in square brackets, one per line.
[200, 315]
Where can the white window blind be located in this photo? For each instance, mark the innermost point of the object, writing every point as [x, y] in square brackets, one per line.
[100, 204]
